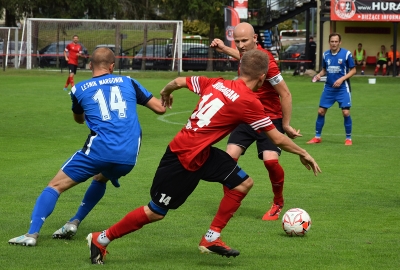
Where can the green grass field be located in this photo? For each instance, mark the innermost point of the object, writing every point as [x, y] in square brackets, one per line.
[354, 203]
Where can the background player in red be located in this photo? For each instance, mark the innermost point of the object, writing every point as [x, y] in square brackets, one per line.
[190, 156]
[277, 100]
[71, 53]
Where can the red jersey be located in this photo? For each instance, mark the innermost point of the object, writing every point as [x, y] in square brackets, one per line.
[224, 104]
[73, 49]
[266, 93]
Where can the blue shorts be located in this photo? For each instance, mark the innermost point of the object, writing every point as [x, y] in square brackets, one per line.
[329, 97]
[81, 167]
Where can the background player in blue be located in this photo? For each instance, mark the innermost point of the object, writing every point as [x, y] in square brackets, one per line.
[108, 105]
[338, 65]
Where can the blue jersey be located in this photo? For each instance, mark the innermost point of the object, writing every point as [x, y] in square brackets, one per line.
[336, 66]
[109, 103]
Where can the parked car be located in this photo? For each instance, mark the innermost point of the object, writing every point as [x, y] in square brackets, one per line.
[124, 60]
[185, 47]
[294, 53]
[156, 58]
[196, 59]
[49, 54]
[12, 52]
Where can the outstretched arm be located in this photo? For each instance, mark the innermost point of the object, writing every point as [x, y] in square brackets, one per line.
[288, 145]
[156, 105]
[220, 46]
[286, 101]
[166, 97]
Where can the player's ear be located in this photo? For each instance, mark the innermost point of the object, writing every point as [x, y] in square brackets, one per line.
[111, 69]
[90, 65]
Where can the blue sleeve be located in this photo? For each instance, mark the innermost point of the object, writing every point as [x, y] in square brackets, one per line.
[76, 107]
[350, 61]
[323, 61]
[142, 95]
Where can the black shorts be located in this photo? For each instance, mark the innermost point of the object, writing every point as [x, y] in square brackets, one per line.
[172, 183]
[244, 136]
[381, 62]
[72, 68]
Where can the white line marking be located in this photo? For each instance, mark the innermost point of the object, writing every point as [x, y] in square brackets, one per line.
[163, 119]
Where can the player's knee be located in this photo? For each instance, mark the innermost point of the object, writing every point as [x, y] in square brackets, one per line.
[322, 111]
[346, 113]
[152, 213]
[246, 185]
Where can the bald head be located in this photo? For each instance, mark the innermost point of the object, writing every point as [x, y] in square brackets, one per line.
[244, 28]
[102, 58]
[244, 37]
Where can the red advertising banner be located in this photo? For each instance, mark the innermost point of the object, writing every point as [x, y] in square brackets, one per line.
[365, 10]
[231, 20]
[241, 8]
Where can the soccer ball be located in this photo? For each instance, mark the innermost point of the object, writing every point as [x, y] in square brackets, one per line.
[296, 221]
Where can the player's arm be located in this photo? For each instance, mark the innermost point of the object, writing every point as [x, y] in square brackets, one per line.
[77, 110]
[220, 46]
[65, 55]
[320, 74]
[79, 118]
[286, 102]
[166, 97]
[156, 106]
[288, 145]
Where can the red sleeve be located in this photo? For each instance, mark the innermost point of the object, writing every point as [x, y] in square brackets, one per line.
[256, 117]
[197, 84]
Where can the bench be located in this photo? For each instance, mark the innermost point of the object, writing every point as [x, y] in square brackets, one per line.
[371, 60]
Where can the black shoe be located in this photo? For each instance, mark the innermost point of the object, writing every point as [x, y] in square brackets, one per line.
[217, 247]
[97, 251]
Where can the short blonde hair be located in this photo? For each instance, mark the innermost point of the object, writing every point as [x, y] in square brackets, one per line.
[254, 63]
[102, 58]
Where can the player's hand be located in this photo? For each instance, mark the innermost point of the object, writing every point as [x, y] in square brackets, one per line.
[338, 83]
[217, 44]
[166, 99]
[291, 132]
[66, 59]
[310, 163]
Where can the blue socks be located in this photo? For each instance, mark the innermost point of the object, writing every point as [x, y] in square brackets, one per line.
[348, 123]
[44, 206]
[92, 196]
[319, 125]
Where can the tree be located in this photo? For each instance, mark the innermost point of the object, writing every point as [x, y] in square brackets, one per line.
[209, 11]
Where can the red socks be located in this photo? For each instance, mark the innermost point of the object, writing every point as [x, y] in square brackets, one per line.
[133, 221]
[228, 206]
[67, 83]
[383, 71]
[71, 80]
[276, 176]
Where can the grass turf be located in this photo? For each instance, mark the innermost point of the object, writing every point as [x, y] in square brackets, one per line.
[353, 204]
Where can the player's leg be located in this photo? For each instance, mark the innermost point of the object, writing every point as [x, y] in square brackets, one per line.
[95, 191]
[377, 67]
[348, 124]
[344, 100]
[239, 140]
[269, 153]
[384, 68]
[43, 208]
[363, 66]
[326, 102]
[221, 168]
[72, 74]
[172, 184]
